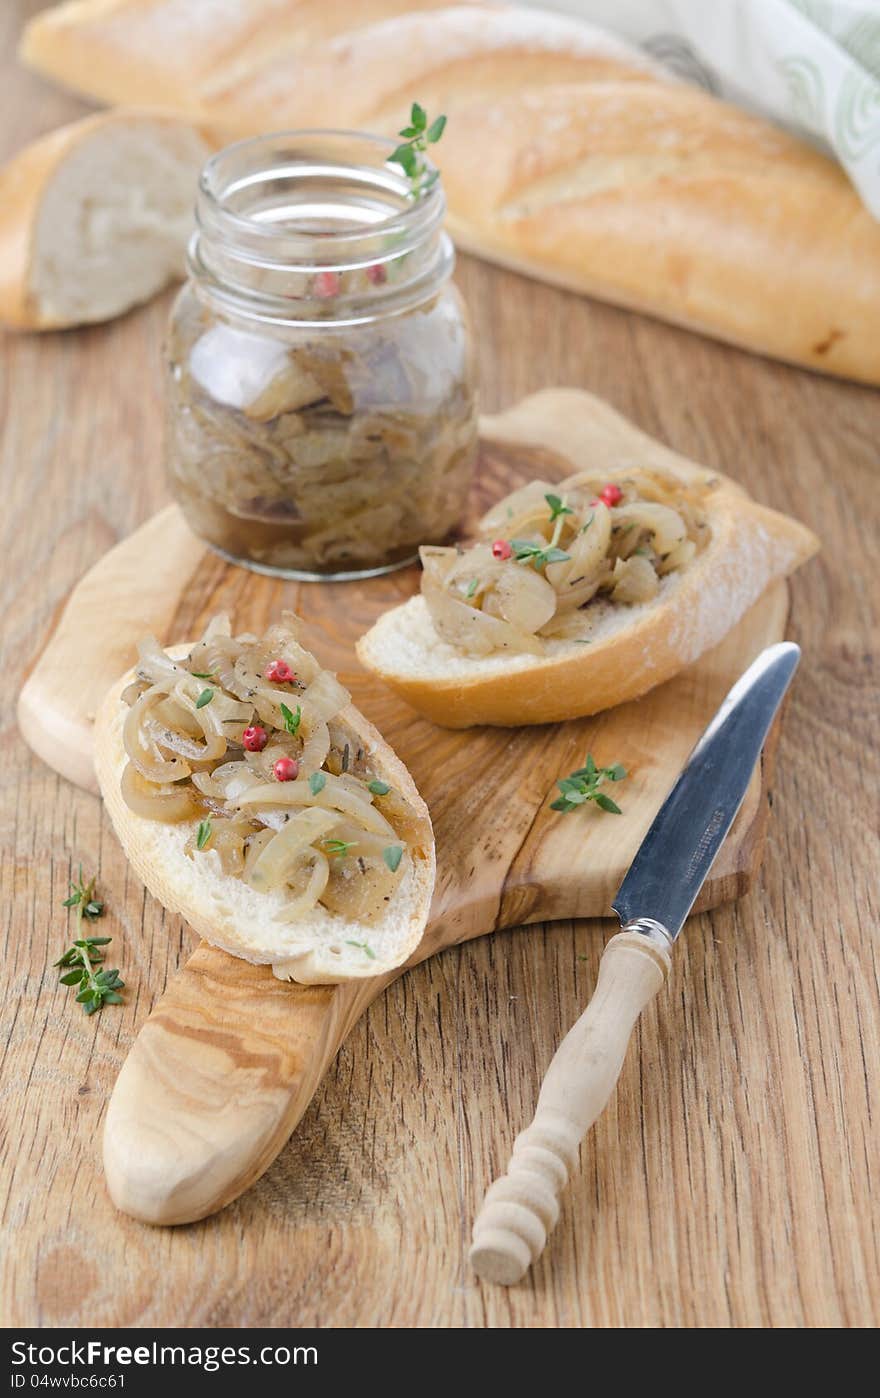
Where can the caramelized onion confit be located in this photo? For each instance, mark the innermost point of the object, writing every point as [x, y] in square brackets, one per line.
[337, 835]
[546, 552]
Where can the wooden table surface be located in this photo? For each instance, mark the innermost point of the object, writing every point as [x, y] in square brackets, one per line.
[733, 1180]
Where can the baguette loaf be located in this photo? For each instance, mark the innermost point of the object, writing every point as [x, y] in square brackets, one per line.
[568, 154]
[318, 948]
[95, 216]
[369, 77]
[631, 648]
[670, 202]
[176, 53]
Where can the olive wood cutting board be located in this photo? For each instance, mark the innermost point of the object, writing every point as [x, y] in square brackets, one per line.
[227, 1062]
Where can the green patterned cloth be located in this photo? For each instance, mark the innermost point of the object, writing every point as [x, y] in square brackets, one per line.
[812, 65]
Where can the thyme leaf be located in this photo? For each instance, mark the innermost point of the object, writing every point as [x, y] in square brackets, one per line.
[558, 507]
[291, 720]
[363, 946]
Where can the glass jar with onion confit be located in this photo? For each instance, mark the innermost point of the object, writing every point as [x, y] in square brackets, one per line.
[322, 418]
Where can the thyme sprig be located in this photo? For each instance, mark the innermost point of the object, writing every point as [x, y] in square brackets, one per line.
[96, 987]
[339, 848]
[410, 155]
[82, 897]
[585, 785]
[539, 555]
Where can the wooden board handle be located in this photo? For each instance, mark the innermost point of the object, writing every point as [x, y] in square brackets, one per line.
[521, 1207]
[134, 590]
[210, 1091]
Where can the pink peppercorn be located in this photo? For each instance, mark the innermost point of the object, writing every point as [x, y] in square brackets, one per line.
[286, 769]
[377, 274]
[611, 495]
[279, 672]
[254, 738]
[327, 284]
[501, 549]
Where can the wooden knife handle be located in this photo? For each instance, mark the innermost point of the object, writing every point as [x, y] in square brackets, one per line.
[521, 1207]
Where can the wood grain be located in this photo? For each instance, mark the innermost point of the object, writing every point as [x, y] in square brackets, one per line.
[732, 1180]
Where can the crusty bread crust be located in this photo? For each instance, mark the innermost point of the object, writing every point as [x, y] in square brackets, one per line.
[175, 53]
[749, 547]
[226, 912]
[444, 55]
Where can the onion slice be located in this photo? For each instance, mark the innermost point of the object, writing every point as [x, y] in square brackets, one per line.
[276, 860]
[334, 797]
[318, 867]
[150, 800]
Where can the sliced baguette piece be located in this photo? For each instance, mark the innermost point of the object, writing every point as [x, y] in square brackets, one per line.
[634, 648]
[316, 949]
[94, 217]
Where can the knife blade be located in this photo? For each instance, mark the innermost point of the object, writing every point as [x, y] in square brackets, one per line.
[675, 857]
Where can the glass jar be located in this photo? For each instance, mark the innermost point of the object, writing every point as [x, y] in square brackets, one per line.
[322, 416]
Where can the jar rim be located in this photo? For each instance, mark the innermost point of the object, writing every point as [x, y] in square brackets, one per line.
[413, 218]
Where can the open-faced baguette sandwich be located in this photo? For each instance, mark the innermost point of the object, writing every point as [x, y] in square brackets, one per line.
[256, 802]
[580, 595]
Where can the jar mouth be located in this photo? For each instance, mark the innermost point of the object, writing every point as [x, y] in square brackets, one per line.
[276, 212]
[313, 195]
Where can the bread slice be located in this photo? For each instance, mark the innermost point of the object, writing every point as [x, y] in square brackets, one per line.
[94, 217]
[317, 949]
[633, 648]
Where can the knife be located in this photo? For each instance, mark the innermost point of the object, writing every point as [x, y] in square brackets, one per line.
[652, 903]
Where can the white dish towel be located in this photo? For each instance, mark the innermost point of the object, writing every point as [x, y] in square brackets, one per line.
[812, 65]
